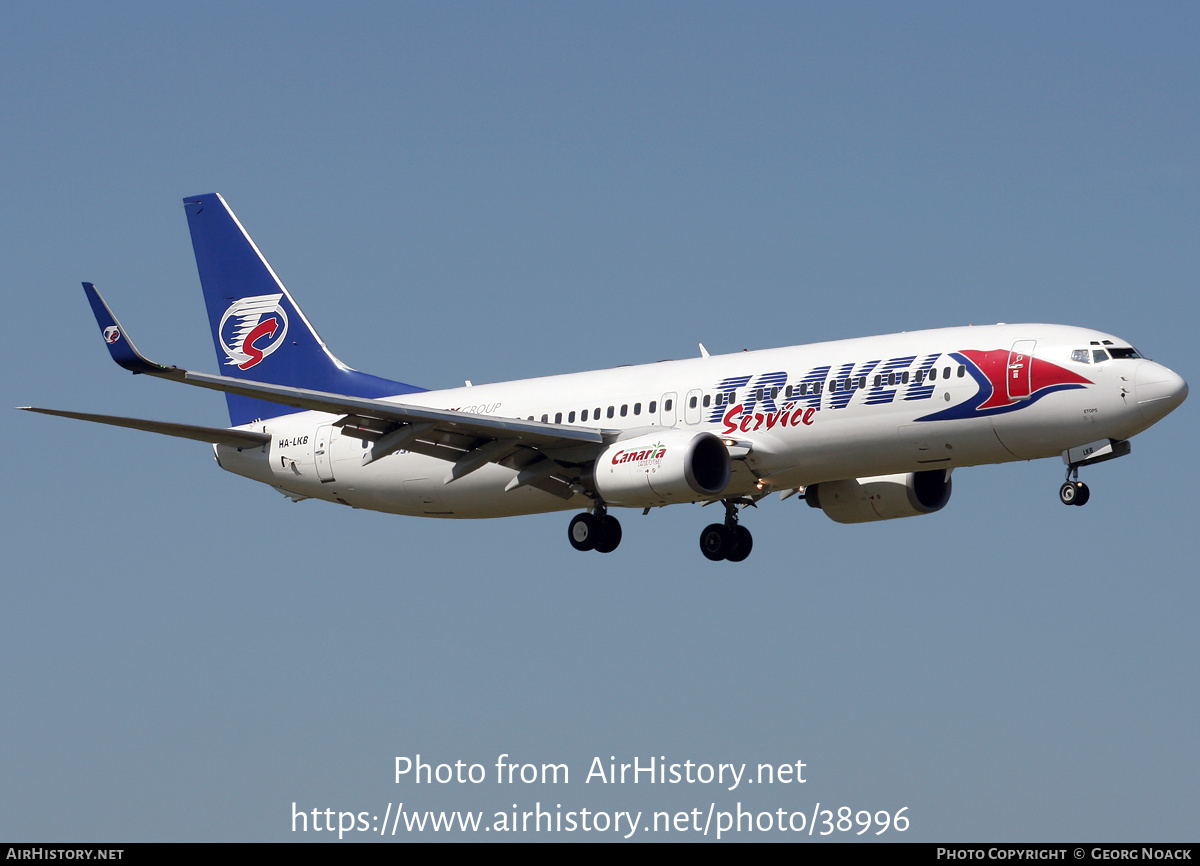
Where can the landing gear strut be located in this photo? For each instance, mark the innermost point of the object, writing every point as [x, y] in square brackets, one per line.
[726, 540]
[1073, 491]
[595, 531]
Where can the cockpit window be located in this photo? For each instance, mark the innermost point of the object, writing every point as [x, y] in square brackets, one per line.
[1128, 352]
[1081, 356]
[1099, 355]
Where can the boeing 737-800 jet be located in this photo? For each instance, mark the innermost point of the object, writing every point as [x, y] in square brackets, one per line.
[865, 429]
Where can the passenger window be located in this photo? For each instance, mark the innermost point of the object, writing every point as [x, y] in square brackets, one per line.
[758, 395]
[585, 414]
[904, 378]
[932, 373]
[596, 414]
[624, 409]
[817, 387]
[787, 392]
[707, 400]
[774, 392]
[946, 373]
[653, 407]
[610, 411]
[962, 371]
[692, 402]
[803, 389]
[571, 418]
[878, 379]
[862, 381]
[637, 408]
[891, 379]
[545, 418]
[920, 377]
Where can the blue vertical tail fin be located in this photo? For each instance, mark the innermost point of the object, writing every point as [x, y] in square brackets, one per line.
[258, 331]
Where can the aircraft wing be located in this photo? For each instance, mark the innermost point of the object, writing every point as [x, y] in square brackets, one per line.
[543, 453]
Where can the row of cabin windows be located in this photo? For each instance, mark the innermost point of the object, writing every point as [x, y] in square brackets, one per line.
[802, 390]
[651, 408]
[806, 388]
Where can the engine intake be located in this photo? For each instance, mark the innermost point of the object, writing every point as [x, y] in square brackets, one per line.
[661, 468]
[882, 497]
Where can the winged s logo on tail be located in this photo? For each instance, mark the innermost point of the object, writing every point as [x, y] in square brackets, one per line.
[253, 328]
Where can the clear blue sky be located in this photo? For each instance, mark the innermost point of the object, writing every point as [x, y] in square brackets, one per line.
[495, 191]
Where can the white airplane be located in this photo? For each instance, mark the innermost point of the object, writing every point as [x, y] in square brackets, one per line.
[866, 429]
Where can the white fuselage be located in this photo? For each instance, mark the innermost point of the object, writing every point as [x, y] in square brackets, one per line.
[807, 414]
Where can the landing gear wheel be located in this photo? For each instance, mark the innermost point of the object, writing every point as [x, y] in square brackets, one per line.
[743, 543]
[609, 535]
[583, 531]
[715, 542]
[1074, 493]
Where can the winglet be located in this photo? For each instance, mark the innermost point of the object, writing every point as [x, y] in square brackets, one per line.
[119, 345]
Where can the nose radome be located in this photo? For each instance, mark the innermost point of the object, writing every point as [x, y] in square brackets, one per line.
[1159, 390]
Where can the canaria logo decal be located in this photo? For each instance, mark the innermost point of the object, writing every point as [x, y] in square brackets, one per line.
[251, 329]
[111, 334]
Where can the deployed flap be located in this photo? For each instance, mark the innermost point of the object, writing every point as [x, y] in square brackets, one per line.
[489, 426]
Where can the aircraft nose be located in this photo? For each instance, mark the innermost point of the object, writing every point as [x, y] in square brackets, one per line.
[1158, 389]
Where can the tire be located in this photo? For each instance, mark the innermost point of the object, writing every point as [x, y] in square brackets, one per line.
[609, 535]
[715, 542]
[1082, 495]
[1067, 493]
[743, 543]
[583, 531]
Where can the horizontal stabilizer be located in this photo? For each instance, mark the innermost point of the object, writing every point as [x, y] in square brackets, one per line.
[216, 435]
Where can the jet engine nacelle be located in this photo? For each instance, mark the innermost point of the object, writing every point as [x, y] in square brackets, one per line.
[661, 468]
[883, 497]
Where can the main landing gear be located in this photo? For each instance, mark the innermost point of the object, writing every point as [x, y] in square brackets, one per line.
[595, 531]
[726, 540]
[1074, 491]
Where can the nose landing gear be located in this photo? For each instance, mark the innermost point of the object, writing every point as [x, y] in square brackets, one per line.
[1074, 491]
[595, 531]
[726, 540]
